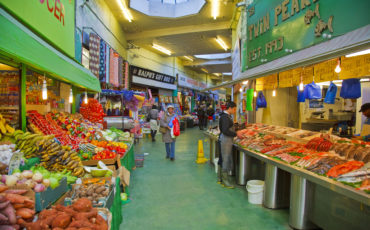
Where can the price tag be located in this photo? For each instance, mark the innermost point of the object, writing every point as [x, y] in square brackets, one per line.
[15, 162]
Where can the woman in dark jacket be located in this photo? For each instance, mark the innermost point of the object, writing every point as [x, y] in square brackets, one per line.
[153, 120]
[166, 137]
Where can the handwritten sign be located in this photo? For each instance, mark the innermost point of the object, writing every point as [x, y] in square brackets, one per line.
[15, 162]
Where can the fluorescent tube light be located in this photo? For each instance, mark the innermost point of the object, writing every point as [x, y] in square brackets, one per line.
[204, 70]
[221, 43]
[126, 12]
[363, 52]
[215, 8]
[162, 49]
[189, 58]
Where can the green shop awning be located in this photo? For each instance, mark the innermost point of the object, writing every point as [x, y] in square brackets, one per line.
[22, 45]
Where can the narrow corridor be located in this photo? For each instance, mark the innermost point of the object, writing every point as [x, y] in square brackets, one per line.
[183, 195]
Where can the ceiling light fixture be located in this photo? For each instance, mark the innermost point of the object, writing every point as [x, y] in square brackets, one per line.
[245, 82]
[363, 52]
[44, 89]
[126, 12]
[255, 94]
[215, 8]
[241, 89]
[301, 86]
[337, 68]
[162, 49]
[85, 99]
[70, 96]
[217, 74]
[227, 74]
[189, 58]
[274, 93]
[204, 70]
[221, 43]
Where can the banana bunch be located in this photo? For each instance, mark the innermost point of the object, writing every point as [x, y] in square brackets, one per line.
[53, 156]
[5, 128]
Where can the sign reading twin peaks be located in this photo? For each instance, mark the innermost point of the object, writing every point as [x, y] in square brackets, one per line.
[279, 27]
[54, 20]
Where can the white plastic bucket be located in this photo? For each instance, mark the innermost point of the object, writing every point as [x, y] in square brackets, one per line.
[255, 191]
[215, 162]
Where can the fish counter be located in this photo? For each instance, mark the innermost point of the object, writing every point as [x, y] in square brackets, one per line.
[323, 179]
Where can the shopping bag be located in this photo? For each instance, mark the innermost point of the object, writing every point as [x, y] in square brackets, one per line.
[301, 97]
[331, 94]
[312, 91]
[261, 100]
[176, 127]
[351, 88]
[172, 134]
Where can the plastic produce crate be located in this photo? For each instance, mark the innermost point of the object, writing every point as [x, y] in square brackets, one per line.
[46, 198]
[139, 160]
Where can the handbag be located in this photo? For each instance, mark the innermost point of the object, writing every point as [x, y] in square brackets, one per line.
[312, 91]
[162, 129]
[351, 89]
[331, 94]
[261, 100]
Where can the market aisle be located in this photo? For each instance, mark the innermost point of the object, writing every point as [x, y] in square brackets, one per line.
[183, 195]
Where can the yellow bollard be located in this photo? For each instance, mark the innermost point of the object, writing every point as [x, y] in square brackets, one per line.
[200, 156]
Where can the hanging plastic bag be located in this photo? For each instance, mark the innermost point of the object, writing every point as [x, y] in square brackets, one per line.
[351, 89]
[331, 94]
[176, 127]
[172, 134]
[312, 91]
[261, 100]
[301, 97]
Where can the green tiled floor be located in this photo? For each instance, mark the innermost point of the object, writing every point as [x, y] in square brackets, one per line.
[184, 195]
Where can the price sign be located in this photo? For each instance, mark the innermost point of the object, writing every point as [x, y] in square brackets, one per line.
[15, 162]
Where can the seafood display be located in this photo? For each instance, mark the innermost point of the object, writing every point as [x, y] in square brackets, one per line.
[330, 156]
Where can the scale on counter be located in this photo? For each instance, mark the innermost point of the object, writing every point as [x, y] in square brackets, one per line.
[317, 115]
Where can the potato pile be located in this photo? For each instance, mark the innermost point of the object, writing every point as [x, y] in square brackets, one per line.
[81, 215]
[92, 192]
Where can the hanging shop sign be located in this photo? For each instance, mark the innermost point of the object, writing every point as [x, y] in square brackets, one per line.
[277, 28]
[54, 20]
[191, 83]
[147, 77]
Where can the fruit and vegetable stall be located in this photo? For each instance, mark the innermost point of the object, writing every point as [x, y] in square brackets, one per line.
[322, 178]
[64, 172]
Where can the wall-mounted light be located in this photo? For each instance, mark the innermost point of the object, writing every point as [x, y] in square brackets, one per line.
[301, 86]
[245, 82]
[338, 68]
[44, 89]
[162, 49]
[215, 8]
[241, 89]
[70, 96]
[85, 99]
[255, 94]
[274, 93]
[125, 10]
[221, 43]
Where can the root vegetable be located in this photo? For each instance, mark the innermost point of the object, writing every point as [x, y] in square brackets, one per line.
[100, 189]
[3, 188]
[11, 180]
[30, 226]
[17, 191]
[3, 217]
[37, 177]
[46, 182]
[61, 221]
[86, 215]
[82, 205]
[30, 183]
[2, 198]
[46, 213]
[102, 224]
[71, 228]
[18, 206]
[25, 213]
[15, 198]
[4, 204]
[39, 188]
[27, 174]
[9, 212]
[82, 224]
[6, 227]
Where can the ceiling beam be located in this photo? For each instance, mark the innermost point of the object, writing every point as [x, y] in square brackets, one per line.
[178, 30]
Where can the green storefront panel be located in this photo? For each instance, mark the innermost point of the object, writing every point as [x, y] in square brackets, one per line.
[23, 46]
[276, 28]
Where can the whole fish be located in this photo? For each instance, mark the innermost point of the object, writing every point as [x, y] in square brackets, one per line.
[353, 179]
[363, 171]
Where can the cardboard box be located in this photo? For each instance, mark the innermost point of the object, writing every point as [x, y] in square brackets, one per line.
[124, 176]
[115, 161]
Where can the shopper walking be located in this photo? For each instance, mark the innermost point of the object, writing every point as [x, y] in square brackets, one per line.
[153, 120]
[166, 133]
[201, 115]
[227, 135]
[210, 113]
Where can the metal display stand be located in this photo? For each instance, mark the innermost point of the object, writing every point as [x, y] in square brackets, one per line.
[314, 199]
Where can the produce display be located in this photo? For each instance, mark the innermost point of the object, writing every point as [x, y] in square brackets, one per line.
[53, 156]
[96, 190]
[6, 152]
[92, 111]
[16, 209]
[114, 134]
[324, 154]
[80, 215]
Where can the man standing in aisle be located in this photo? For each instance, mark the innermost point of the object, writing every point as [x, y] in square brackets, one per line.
[227, 135]
[201, 115]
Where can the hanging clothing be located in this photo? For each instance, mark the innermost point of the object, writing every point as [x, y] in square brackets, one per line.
[94, 52]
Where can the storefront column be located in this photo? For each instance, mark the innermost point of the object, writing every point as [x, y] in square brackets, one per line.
[74, 91]
[23, 97]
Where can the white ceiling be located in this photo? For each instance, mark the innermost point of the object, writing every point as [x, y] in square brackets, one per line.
[188, 35]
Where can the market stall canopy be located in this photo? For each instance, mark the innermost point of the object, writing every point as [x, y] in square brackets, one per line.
[353, 41]
[24, 46]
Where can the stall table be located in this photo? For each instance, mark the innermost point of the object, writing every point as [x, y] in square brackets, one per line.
[313, 199]
[212, 146]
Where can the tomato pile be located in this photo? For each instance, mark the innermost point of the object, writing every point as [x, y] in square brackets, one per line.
[105, 154]
[92, 111]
